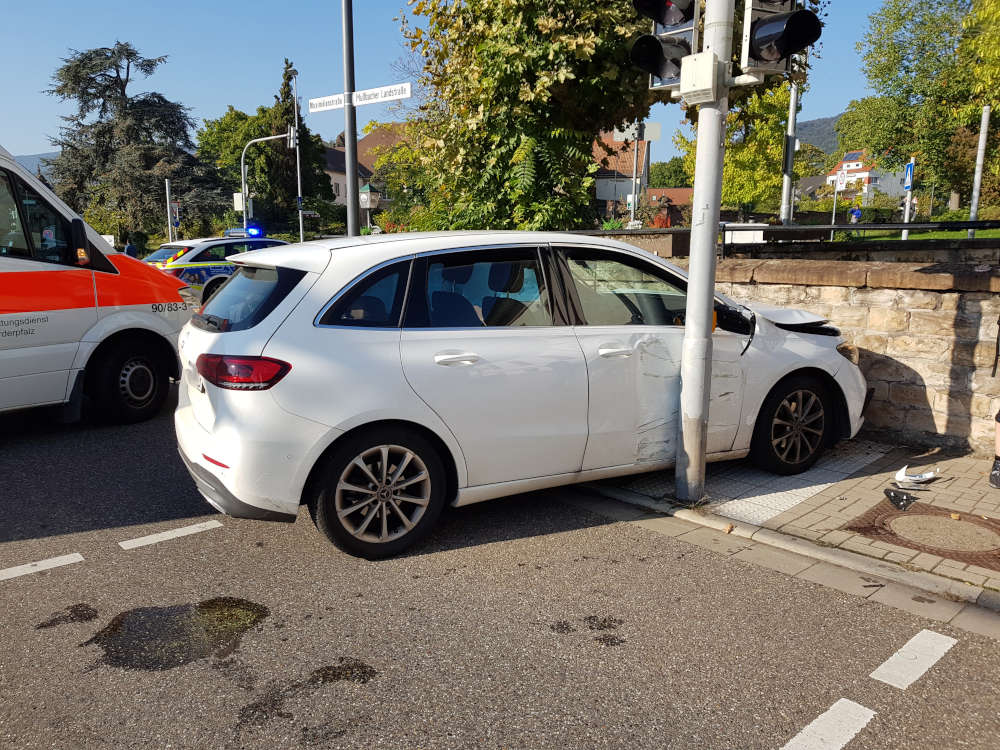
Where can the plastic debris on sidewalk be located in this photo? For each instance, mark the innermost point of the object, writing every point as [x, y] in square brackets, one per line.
[927, 476]
[901, 500]
[911, 487]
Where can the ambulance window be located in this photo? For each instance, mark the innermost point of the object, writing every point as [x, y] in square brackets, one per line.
[12, 239]
[48, 230]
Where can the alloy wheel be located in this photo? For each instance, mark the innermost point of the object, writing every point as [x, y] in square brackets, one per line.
[798, 426]
[382, 493]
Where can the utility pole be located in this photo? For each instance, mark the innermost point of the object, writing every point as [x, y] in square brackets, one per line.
[298, 159]
[696, 357]
[977, 183]
[836, 190]
[787, 177]
[243, 172]
[635, 168]
[170, 224]
[909, 198]
[350, 122]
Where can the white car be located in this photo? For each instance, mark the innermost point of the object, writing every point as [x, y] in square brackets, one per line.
[375, 379]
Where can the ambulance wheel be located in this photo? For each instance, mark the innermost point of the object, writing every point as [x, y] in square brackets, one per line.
[209, 289]
[129, 382]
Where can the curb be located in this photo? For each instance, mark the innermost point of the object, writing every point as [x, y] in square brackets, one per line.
[954, 590]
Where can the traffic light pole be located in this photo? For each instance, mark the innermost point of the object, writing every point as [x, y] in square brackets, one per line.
[696, 357]
[787, 177]
[977, 182]
[350, 122]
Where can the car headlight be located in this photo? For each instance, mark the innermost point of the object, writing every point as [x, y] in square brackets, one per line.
[189, 296]
[850, 352]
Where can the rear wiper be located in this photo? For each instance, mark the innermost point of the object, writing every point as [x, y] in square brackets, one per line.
[211, 321]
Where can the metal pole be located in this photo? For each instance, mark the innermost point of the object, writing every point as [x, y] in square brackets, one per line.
[635, 169]
[977, 183]
[170, 224]
[833, 218]
[350, 122]
[930, 212]
[909, 202]
[298, 159]
[243, 172]
[787, 177]
[696, 356]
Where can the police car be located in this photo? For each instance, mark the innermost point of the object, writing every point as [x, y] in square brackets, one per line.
[201, 263]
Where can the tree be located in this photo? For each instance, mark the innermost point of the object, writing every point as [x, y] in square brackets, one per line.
[116, 150]
[877, 124]
[981, 47]
[755, 140]
[668, 174]
[271, 176]
[519, 90]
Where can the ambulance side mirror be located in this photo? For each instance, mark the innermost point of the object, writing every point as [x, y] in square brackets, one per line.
[80, 244]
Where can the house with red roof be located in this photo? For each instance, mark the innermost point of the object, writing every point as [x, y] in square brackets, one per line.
[865, 177]
[614, 177]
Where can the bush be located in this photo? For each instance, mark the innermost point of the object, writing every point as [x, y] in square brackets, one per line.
[611, 225]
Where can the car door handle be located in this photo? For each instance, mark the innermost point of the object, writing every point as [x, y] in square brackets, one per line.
[462, 359]
[609, 352]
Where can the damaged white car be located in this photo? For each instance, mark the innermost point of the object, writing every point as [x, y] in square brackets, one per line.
[376, 379]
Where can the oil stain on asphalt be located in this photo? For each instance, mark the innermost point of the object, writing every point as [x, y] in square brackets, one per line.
[75, 613]
[272, 704]
[159, 638]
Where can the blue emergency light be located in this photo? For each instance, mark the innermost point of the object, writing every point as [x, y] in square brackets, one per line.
[250, 231]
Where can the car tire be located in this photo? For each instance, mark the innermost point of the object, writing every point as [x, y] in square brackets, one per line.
[370, 499]
[793, 426]
[210, 289]
[128, 383]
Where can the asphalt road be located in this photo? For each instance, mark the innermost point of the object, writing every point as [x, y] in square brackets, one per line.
[523, 623]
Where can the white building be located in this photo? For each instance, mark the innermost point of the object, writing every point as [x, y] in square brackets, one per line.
[863, 176]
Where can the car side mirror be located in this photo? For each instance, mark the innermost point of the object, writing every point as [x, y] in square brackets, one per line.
[80, 244]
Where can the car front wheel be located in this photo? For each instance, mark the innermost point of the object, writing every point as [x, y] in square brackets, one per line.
[379, 492]
[793, 426]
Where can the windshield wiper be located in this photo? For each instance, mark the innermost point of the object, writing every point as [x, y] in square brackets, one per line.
[211, 321]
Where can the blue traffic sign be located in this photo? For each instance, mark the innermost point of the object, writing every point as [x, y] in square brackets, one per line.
[908, 179]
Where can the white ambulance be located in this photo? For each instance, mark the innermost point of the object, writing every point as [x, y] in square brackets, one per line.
[80, 324]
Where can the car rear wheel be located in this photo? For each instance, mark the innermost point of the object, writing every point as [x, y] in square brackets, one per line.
[379, 492]
[793, 426]
[128, 383]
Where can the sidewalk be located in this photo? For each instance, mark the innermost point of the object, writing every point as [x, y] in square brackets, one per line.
[948, 542]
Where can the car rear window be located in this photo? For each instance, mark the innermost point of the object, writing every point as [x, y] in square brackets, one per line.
[247, 298]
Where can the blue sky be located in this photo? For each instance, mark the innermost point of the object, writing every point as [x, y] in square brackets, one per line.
[223, 53]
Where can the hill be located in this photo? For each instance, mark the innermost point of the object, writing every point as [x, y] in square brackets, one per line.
[820, 133]
[31, 162]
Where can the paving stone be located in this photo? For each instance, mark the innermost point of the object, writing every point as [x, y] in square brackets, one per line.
[836, 537]
[917, 602]
[775, 559]
[978, 620]
[716, 541]
[842, 579]
[863, 549]
[666, 525]
[926, 561]
[982, 571]
[899, 557]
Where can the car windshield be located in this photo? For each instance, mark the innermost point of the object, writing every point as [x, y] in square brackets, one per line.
[167, 251]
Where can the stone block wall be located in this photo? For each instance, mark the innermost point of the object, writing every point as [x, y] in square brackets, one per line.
[927, 337]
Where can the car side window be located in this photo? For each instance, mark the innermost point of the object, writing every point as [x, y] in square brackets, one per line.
[376, 301]
[615, 289]
[481, 289]
[13, 240]
[46, 228]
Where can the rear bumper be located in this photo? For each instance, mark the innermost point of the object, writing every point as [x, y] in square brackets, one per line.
[223, 500]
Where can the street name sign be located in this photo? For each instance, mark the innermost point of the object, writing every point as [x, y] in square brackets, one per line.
[368, 96]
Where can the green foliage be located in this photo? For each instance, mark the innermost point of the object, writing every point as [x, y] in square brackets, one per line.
[518, 90]
[271, 174]
[611, 225]
[669, 174]
[879, 125]
[981, 46]
[117, 148]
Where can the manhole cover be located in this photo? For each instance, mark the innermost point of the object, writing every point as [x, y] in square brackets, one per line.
[969, 539]
[946, 533]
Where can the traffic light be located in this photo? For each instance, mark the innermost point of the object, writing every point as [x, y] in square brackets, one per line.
[674, 37]
[773, 31]
[293, 136]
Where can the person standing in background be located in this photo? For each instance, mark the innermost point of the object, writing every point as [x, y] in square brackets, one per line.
[131, 250]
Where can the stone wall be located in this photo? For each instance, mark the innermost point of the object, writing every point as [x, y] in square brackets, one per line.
[927, 336]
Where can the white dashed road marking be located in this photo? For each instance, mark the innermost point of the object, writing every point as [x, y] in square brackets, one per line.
[34, 567]
[833, 729]
[163, 536]
[908, 665]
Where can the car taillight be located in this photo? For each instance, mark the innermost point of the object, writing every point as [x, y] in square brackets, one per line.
[241, 373]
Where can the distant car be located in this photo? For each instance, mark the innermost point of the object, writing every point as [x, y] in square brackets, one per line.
[201, 263]
[376, 379]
